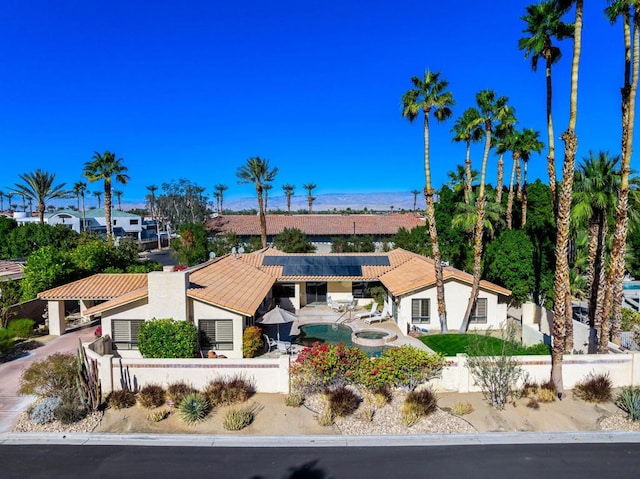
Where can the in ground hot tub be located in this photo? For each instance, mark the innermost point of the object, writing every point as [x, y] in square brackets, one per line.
[373, 337]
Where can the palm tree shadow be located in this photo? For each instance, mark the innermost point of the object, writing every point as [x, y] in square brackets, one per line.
[308, 470]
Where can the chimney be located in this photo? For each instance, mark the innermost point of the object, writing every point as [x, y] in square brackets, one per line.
[168, 294]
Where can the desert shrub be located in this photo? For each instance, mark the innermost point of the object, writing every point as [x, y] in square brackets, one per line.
[166, 338]
[409, 417]
[6, 341]
[252, 342]
[550, 385]
[54, 376]
[461, 408]
[545, 395]
[152, 395]
[630, 318]
[533, 403]
[157, 416]
[496, 375]
[294, 399]
[194, 408]
[382, 396]
[44, 411]
[70, 411]
[343, 401]
[21, 328]
[404, 367]
[237, 418]
[176, 392]
[629, 401]
[594, 388]
[328, 365]
[367, 414]
[224, 391]
[422, 402]
[326, 418]
[121, 399]
[529, 388]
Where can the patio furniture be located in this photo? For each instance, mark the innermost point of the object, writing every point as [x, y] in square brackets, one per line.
[366, 314]
[270, 342]
[334, 305]
[385, 314]
[284, 347]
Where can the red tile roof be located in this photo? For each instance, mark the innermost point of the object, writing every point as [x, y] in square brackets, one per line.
[97, 287]
[317, 225]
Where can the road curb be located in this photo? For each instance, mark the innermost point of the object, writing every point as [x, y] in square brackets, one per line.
[427, 440]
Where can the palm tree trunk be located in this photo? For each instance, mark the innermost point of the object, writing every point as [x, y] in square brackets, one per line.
[107, 208]
[499, 180]
[561, 280]
[593, 271]
[433, 231]
[519, 180]
[41, 207]
[288, 204]
[84, 221]
[516, 159]
[551, 159]
[467, 170]
[613, 295]
[524, 195]
[263, 219]
[479, 232]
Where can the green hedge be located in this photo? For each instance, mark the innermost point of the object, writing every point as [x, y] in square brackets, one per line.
[21, 328]
[6, 341]
[166, 338]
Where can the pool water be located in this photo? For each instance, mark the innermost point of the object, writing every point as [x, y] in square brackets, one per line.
[334, 334]
[633, 285]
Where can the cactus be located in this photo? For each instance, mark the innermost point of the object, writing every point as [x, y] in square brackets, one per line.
[88, 381]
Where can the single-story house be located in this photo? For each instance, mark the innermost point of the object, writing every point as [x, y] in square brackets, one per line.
[225, 295]
[320, 229]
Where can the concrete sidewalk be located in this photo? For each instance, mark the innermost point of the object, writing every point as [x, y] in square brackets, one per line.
[12, 404]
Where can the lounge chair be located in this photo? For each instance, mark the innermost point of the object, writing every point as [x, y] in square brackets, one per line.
[385, 314]
[283, 347]
[334, 305]
[270, 342]
[366, 314]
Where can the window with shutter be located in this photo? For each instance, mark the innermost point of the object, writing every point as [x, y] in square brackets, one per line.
[216, 334]
[125, 333]
[420, 310]
[479, 313]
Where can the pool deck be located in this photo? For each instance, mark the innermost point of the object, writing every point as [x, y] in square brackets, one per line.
[324, 315]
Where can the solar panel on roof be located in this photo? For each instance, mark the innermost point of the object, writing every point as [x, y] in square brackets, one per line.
[324, 265]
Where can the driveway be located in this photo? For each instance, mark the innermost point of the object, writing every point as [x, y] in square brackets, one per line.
[12, 404]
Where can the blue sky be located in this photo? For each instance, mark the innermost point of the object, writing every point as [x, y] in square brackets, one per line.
[192, 89]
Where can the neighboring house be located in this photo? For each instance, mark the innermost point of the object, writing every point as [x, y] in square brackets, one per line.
[320, 229]
[11, 270]
[124, 224]
[224, 296]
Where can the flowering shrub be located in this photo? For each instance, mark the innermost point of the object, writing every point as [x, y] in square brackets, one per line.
[252, 342]
[327, 365]
[403, 367]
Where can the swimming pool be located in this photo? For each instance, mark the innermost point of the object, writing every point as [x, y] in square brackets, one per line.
[631, 285]
[333, 333]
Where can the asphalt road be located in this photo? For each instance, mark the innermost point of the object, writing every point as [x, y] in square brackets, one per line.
[536, 461]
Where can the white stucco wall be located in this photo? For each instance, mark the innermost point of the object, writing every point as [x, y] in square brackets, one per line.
[202, 310]
[167, 294]
[456, 298]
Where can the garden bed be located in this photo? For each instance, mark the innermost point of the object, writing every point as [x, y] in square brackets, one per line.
[452, 344]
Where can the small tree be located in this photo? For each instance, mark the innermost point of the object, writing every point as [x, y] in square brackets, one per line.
[166, 338]
[293, 240]
[9, 296]
[252, 342]
[497, 376]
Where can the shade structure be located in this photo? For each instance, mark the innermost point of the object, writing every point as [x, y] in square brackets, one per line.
[277, 316]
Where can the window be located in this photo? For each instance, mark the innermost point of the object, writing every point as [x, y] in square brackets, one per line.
[284, 290]
[362, 289]
[133, 222]
[420, 310]
[479, 313]
[125, 333]
[216, 334]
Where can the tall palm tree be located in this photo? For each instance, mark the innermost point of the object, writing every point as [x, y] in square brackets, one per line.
[430, 94]
[256, 170]
[107, 168]
[39, 186]
[529, 144]
[1, 200]
[465, 217]
[267, 187]
[220, 189]
[501, 136]
[595, 185]
[153, 210]
[562, 323]
[289, 191]
[492, 111]
[613, 295]
[98, 195]
[467, 128]
[310, 199]
[415, 194]
[457, 180]
[80, 189]
[9, 196]
[118, 194]
[544, 25]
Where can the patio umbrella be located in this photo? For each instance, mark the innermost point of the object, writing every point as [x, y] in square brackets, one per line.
[277, 316]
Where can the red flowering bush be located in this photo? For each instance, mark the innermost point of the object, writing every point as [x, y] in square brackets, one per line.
[328, 365]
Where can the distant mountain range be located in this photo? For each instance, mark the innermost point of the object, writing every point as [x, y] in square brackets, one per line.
[355, 201]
